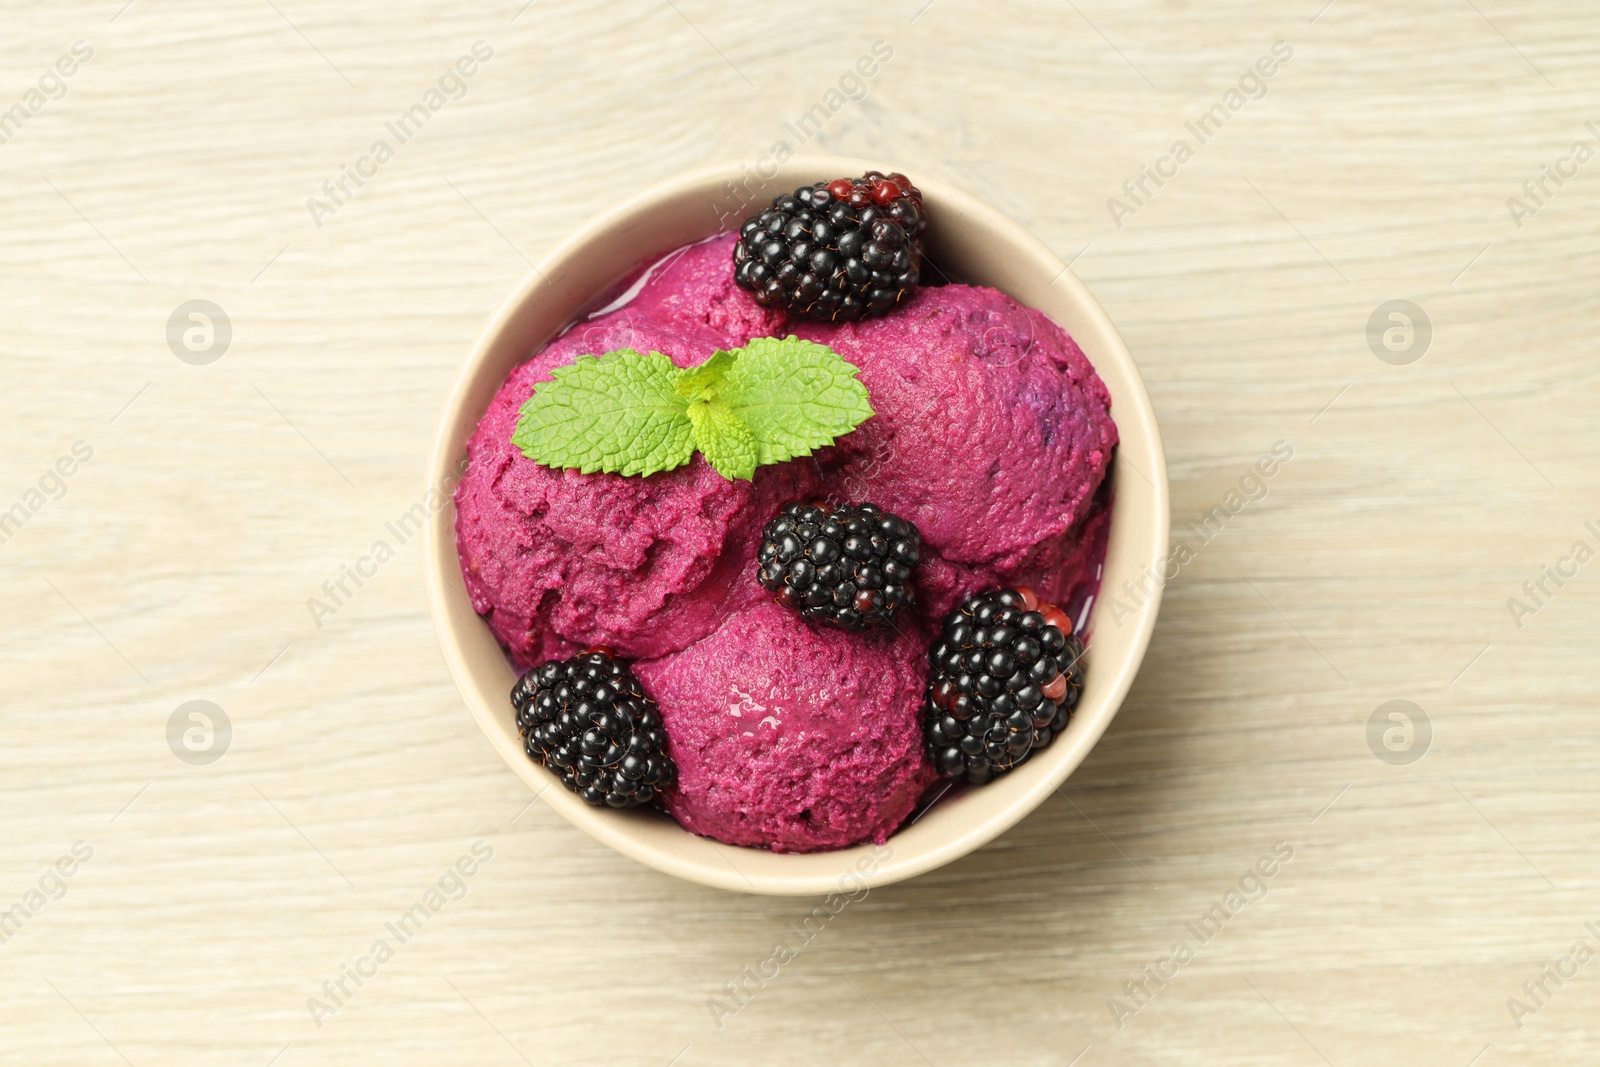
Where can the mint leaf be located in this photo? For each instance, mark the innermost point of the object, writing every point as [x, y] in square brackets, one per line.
[624, 413]
[725, 441]
[794, 396]
[619, 413]
[701, 382]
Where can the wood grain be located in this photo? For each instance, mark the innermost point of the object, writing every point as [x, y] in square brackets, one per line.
[176, 563]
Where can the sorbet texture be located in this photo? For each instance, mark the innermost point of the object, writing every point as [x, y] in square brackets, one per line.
[992, 435]
[793, 737]
[557, 561]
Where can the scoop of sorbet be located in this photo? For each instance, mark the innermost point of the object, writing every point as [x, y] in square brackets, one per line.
[794, 738]
[992, 430]
[557, 560]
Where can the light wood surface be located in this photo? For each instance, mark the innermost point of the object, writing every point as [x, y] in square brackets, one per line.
[177, 563]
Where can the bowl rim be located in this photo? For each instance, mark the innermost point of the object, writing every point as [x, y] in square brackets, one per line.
[1138, 431]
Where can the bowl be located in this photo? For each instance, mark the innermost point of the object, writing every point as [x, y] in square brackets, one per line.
[970, 241]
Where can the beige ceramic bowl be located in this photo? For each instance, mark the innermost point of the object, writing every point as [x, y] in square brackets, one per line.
[974, 243]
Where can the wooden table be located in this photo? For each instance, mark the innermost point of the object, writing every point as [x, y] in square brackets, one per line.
[217, 487]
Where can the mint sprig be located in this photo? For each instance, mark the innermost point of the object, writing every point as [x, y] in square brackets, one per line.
[633, 414]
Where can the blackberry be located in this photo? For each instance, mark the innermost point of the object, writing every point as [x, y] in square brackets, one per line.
[845, 568]
[587, 719]
[835, 251]
[1005, 679]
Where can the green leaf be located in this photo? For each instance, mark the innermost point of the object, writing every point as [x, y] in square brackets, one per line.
[620, 413]
[725, 441]
[624, 413]
[794, 396]
[701, 382]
